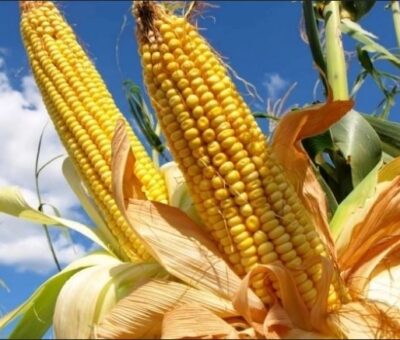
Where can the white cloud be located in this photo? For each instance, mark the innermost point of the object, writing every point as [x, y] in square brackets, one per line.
[31, 253]
[275, 85]
[22, 118]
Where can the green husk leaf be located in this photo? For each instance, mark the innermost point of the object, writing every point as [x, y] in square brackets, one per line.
[354, 200]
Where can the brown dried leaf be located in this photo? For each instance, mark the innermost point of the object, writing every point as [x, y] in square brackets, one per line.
[197, 322]
[294, 127]
[140, 314]
[185, 251]
[125, 184]
[371, 229]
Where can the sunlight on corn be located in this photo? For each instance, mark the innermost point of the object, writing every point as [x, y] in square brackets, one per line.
[84, 114]
[239, 190]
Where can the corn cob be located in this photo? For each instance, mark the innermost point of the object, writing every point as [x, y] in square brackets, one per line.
[84, 114]
[239, 189]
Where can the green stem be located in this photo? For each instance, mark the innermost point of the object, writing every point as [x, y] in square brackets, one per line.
[311, 28]
[395, 5]
[336, 63]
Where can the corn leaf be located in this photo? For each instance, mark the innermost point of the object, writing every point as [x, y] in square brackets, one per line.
[367, 40]
[388, 132]
[378, 77]
[317, 145]
[142, 116]
[97, 289]
[358, 143]
[35, 315]
[140, 314]
[13, 203]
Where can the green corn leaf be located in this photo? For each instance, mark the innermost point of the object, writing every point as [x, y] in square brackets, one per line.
[4, 285]
[367, 40]
[316, 145]
[35, 316]
[389, 133]
[358, 143]
[143, 118]
[13, 203]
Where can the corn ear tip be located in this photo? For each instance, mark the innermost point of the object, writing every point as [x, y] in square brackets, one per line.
[145, 13]
[27, 5]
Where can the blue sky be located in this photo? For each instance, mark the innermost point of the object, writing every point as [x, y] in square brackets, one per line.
[262, 42]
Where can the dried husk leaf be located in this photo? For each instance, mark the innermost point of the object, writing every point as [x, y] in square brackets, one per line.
[297, 333]
[376, 222]
[282, 315]
[294, 127]
[140, 314]
[125, 183]
[371, 265]
[289, 312]
[173, 239]
[183, 249]
[192, 321]
[366, 320]
[385, 286]
[371, 228]
[367, 248]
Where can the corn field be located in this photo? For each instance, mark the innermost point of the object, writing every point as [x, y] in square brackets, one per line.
[211, 210]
